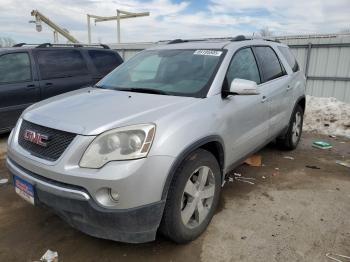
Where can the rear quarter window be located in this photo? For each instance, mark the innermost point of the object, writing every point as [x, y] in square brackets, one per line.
[269, 63]
[290, 58]
[61, 64]
[104, 61]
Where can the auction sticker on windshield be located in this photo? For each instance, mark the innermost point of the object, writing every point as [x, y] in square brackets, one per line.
[208, 52]
[24, 189]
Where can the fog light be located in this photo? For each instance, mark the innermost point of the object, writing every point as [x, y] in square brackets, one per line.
[114, 195]
[107, 197]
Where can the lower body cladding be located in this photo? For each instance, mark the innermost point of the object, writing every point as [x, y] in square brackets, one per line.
[76, 205]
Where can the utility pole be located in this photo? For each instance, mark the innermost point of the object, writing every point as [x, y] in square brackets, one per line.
[120, 15]
[39, 17]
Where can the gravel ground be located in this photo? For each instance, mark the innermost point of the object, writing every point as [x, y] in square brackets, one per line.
[293, 214]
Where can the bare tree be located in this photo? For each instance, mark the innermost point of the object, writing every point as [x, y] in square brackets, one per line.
[265, 32]
[6, 42]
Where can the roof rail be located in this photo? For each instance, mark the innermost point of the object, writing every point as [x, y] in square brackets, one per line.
[240, 38]
[71, 45]
[270, 39]
[23, 44]
[232, 39]
[177, 41]
[43, 45]
[19, 45]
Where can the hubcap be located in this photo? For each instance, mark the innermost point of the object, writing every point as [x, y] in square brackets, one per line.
[296, 130]
[197, 197]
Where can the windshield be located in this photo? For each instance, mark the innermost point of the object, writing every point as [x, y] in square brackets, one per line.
[169, 72]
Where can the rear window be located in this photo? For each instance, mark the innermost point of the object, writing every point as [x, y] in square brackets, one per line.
[269, 63]
[61, 63]
[290, 58]
[104, 61]
[15, 67]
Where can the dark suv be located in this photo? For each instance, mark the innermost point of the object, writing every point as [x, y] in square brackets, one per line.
[30, 73]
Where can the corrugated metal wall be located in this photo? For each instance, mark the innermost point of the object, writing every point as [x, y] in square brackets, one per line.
[327, 68]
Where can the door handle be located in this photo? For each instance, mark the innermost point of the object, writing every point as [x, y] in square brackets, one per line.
[48, 84]
[263, 99]
[31, 86]
[289, 87]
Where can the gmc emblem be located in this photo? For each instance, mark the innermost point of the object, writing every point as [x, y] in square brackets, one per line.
[35, 137]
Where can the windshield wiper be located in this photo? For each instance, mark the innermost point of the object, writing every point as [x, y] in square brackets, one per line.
[143, 90]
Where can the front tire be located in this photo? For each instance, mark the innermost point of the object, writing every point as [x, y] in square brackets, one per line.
[192, 198]
[295, 128]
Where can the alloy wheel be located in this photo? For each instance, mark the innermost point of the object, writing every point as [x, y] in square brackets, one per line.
[296, 129]
[197, 198]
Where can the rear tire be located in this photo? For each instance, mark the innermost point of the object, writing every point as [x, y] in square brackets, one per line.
[291, 139]
[192, 197]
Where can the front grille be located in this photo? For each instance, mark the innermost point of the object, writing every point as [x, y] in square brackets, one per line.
[58, 141]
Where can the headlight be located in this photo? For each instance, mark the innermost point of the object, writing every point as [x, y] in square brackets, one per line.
[124, 143]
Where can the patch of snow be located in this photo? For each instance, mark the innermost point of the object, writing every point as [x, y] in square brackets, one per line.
[327, 115]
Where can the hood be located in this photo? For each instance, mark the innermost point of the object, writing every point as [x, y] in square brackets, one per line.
[91, 111]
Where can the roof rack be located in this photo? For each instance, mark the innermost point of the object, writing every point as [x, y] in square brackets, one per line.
[244, 38]
[44, 45]
[240, 38]
[177, 41]
[272, 40]
[232, 39]
[266, 39]
[22, 44]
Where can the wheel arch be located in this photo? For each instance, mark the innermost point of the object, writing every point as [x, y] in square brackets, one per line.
[214, 144]
[301, 101]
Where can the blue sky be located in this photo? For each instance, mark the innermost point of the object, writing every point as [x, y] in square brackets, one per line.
[175, 18]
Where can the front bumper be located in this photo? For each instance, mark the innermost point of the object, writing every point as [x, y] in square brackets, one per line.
[138, 182]
[74, 205]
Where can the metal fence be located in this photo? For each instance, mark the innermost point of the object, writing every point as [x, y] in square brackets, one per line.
[325, 59]
[326, 63]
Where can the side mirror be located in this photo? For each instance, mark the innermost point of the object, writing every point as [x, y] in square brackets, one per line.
[243, 87]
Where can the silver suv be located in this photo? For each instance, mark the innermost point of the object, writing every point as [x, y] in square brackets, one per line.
[149, 146]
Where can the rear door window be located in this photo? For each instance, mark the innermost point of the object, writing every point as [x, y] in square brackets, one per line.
[61, 64]
[104, 61]
[269, 63]
[243, 66]
[14, 68]
[290, 58]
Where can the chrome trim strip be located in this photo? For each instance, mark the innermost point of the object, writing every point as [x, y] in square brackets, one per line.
[45, 186]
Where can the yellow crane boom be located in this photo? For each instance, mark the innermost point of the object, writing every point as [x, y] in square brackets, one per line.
[39, 17]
